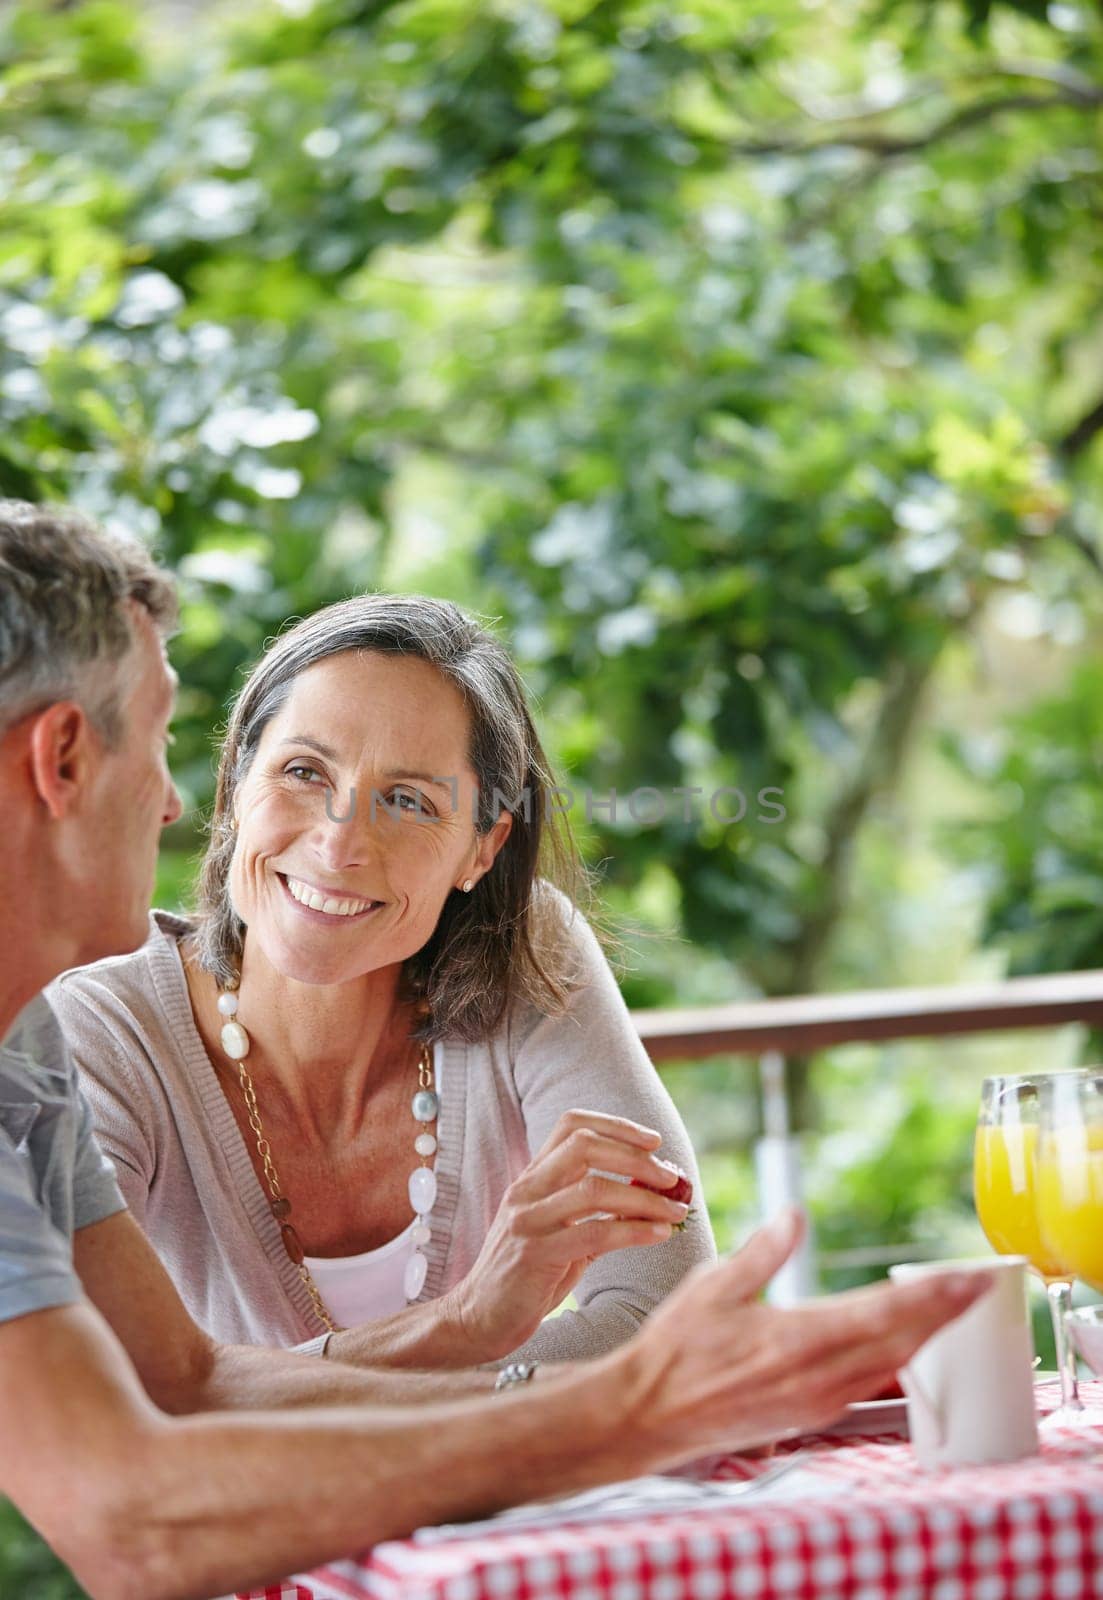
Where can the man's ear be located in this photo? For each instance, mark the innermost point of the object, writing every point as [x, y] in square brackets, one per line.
[61, 751]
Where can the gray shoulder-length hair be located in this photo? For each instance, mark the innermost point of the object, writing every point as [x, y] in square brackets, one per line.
[503, 942]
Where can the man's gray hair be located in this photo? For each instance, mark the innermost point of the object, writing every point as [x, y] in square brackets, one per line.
[65, 587]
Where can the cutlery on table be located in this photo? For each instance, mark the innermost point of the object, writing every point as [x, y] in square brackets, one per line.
[617, 1501]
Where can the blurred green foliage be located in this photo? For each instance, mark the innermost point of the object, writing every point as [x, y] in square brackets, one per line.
[731, 359]
[745, 362]
[28, 1570]
[1036, 843]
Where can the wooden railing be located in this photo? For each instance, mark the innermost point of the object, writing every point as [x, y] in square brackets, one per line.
[772, 1029]
[812, 1022]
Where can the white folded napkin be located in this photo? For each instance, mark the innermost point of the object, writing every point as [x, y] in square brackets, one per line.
[789, 1477]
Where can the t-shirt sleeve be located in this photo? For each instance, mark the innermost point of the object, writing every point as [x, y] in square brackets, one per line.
[96, 1192]
[36, 1268]
[591, 1058]
[114, 1097]
[53, 1177]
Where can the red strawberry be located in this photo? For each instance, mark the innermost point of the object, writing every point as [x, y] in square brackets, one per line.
[682, 1191]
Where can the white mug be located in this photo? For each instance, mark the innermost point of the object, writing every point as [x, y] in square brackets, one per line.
[970, 1388]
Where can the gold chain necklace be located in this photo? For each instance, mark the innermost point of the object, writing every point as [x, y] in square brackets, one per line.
[422, 1183]
[281, 1205]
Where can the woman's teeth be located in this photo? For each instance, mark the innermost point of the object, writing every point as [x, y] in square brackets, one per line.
[316, 901]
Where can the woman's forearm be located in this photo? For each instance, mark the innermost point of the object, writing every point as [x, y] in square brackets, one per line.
[608, 1321]
[243, 1377]
[433, 1334]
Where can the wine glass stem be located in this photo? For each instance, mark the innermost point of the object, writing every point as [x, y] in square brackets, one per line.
[1060, 1303]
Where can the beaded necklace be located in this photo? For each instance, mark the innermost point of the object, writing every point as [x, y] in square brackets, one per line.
[422, 1186]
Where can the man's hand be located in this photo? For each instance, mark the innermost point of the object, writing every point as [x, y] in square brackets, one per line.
[719, 1369]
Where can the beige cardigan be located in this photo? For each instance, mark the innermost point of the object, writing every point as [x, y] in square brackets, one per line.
[183, 1167]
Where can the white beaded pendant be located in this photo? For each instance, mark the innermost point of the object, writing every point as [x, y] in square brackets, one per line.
[425, 1106]
[413, 1281]
[235, 1041]
[423, 1190]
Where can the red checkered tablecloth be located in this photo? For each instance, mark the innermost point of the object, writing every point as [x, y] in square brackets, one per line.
[875, 1526]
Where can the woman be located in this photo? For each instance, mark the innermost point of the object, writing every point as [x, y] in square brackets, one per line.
[321, 1092]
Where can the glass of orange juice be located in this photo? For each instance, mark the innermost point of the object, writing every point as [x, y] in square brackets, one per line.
[1069, 1182]
[1005, 1189]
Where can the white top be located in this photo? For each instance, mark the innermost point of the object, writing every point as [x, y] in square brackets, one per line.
[357, 1289]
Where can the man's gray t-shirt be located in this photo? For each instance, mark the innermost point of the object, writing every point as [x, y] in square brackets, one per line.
[54, 1178]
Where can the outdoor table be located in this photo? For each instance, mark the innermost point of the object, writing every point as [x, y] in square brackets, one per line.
[862, 1521]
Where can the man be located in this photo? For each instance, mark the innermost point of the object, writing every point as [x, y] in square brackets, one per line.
[161, 1465]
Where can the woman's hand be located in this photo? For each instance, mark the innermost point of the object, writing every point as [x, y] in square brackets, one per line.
[554, 1219]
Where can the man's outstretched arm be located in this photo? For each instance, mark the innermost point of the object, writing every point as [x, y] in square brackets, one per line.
[147, 1506]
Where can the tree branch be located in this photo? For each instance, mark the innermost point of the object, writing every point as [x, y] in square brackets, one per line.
[877, 769]
[888, 145]
[1057, 72]
[843, 110]
[1082, 433]
[853, 108]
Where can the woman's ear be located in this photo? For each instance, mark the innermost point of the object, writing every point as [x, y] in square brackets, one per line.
[490, 843]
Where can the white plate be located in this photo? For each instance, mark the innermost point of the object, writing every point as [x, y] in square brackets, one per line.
[872, 1416]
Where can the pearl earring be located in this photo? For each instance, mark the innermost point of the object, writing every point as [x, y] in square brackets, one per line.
[468, 885]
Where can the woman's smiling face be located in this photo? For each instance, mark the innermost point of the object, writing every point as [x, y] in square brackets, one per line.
[393, 729]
